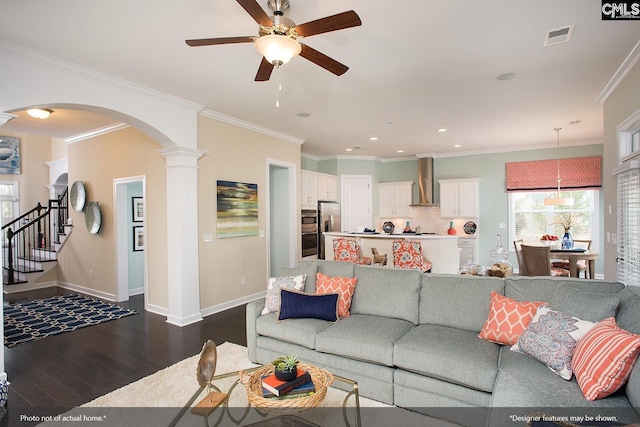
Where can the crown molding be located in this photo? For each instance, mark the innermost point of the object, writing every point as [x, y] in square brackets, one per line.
[620, 74]
[67, 67]
[249, 126]
[96, 132]
[5, 117]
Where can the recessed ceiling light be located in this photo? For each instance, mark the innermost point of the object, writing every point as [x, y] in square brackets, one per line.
[303, 114]
[400, 151]
[373, 138]
[442, 130]
[506, 76]
[457, 146]
[389, 123]
[348, 149]
[40, 113]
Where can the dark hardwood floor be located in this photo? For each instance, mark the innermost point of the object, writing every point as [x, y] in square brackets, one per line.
[73, 368]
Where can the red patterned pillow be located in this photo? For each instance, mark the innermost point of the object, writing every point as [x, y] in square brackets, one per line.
[603, 359]
[344, 286]
[507, 319]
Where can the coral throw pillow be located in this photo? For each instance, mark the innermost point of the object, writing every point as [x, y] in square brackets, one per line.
[603, 359]
[344, 286]
[507, 319]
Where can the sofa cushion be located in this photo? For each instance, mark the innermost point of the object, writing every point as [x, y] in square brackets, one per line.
[336, 268]
[544, 288]
[363, 337]
[457, 301]
[628, 316]
[551, 338]
[344, 286]
[449, 354]
[295, 331]
[387, 292]
[309, 269]
[507, 319]
[298, 305]
[603, 359]
[583, 304]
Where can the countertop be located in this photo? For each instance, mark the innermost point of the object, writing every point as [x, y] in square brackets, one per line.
[394, 236]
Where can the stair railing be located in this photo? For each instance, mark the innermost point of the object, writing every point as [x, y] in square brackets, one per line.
[30, 233]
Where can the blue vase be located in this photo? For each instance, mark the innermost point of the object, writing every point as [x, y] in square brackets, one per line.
[567, 240]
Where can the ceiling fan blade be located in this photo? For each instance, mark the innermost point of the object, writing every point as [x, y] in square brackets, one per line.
[264, 71]
[219, 40]
[330, 23]
[323, 60]
[257, 13]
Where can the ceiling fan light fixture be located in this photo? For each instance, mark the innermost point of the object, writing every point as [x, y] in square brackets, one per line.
[277, 49]
[40, 113]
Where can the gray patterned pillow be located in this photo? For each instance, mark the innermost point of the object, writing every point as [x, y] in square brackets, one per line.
[272, 302]
[551, 338]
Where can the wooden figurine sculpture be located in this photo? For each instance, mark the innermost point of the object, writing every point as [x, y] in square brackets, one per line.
[205, 372]
[377, 258]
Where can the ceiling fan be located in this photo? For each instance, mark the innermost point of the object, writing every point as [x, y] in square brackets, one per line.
[278, 37]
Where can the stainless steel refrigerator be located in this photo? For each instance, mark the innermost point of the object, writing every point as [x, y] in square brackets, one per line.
[328, 220]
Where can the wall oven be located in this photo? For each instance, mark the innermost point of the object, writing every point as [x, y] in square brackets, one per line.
[309, 229]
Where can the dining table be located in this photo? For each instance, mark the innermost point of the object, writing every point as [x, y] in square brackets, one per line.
[574, 255]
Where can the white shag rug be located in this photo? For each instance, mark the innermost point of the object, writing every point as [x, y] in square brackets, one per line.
[156, 400]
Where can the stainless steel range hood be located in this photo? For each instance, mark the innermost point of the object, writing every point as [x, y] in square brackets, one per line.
[425, 182]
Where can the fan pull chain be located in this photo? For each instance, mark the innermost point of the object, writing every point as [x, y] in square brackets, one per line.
[278, 88]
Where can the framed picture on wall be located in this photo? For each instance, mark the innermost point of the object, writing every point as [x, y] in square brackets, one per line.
[137, 209]
[138, 238]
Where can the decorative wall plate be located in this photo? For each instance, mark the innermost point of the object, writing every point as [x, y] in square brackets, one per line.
[470, 227]
[77, 196]
[93, 217]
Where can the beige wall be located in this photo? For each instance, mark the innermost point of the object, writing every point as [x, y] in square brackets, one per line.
[59, 149]
[234, 154]
[97, 162]
[623, 102]
[35, 150]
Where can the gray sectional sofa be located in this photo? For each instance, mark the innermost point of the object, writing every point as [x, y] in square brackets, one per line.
[412, 341]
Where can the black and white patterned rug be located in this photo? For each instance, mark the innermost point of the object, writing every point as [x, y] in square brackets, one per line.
[37, 319]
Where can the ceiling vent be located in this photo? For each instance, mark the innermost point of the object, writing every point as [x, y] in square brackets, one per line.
[557, 36]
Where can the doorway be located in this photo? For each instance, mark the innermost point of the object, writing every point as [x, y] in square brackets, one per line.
[356, 202]
[283, 223]
[130, 218]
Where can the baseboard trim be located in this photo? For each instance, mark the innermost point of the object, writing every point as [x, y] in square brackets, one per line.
[94, 293]
[231, 304]
[184, 321]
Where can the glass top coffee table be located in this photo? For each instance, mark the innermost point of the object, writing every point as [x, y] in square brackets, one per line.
[285, 410]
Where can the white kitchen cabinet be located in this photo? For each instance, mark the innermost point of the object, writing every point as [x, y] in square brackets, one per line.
[459, 198]
[327, 187]
[318, 186]
[309, 190]
[395, 199]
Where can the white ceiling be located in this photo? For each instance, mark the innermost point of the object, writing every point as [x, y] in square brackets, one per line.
[420, 65]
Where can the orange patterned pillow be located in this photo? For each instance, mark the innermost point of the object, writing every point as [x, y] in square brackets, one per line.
[507, 319]
[344, 286]
[603, 359]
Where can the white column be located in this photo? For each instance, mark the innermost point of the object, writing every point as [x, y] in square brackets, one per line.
[182, 235]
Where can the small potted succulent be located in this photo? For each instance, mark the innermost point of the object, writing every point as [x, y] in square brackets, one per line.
[286, 367]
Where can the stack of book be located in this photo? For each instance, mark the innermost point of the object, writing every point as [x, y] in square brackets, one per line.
[301, 386]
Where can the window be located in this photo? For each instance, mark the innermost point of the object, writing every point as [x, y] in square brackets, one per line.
[628, 173]
[530, 218]
[9, 201]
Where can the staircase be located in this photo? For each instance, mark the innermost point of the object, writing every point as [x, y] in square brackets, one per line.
[31, 243]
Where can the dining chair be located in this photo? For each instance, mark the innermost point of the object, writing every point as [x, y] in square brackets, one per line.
[349, 250]
[517, 244]
[536, 261]
[583, 265]
[408, 254]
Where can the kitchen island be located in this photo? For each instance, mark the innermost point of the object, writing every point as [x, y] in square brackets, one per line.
[441, 250]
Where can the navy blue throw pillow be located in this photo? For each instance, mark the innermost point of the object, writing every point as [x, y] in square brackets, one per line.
[297, 305]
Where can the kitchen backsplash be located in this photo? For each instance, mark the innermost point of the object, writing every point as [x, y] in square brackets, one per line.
[429, 220]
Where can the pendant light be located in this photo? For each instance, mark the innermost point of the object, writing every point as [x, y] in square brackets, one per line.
[557, 200]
